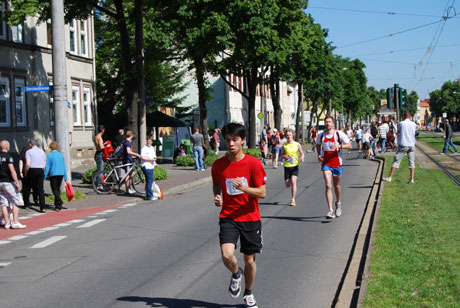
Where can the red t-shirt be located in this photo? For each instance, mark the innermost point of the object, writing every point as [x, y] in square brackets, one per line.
[238, 205]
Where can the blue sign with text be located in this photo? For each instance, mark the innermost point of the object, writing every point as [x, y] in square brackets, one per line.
[38, 88]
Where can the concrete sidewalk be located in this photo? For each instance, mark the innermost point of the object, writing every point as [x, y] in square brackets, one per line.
[179, 179]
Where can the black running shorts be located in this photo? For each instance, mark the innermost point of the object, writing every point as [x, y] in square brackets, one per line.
[290, 171]
[249, 233]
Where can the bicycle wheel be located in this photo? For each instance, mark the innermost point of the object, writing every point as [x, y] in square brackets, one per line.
[139, 181]
[107, 182]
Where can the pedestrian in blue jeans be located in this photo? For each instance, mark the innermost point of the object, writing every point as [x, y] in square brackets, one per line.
[99, 143]
[448, 138]
[148, 158]
[197, 140]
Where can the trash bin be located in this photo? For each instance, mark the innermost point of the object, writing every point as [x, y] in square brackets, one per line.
[188, 146]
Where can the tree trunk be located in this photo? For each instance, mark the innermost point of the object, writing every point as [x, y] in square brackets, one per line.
[201, 84]
[140, 74]
[275, 90]
[299, 110]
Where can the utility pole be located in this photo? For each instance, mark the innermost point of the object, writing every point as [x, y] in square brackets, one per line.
[60, 81]
[139, 38]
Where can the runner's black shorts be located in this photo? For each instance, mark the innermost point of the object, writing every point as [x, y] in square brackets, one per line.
[249, 233]
[290, 171]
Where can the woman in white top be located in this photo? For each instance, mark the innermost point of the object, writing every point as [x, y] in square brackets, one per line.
[148, 158]
[367, 137]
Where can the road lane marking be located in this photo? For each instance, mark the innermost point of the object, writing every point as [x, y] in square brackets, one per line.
[2, 265]
[128, 205]
[101, 213]
[49, 241]
[49, 228]
[76, 221]
[17, 237]
[91, 223]
[110, 211]
[4, 242]
[64, 224]
[35, 232]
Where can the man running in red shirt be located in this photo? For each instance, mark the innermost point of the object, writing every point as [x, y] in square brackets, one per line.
[241, 180]
[332, 141]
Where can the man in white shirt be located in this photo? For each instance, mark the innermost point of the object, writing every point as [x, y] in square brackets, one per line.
[406, 145]
[383, 130]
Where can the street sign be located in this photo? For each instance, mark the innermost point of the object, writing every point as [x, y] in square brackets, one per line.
[260, 115]
[444, 115]
[38, 88]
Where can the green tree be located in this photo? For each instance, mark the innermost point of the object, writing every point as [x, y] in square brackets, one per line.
[410, 104]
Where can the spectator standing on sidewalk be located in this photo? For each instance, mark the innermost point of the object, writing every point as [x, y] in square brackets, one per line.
[216, 140]
[55, 167]
[383, 130]
[34, 173]
[120, 137]
[359, 137]
[331, 142]
[241, 180]
[406, 145]
[148, 158]
[276, 147]
[448, 133]
[374, 134]
[10, 190]
[128, 159]
[291, 151]
[98, 156]
[197, 140]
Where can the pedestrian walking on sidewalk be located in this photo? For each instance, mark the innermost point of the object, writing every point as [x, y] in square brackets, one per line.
[290, 152]
[383, 130]
[148, 158]
[276, 147]
[238, 183]
[406, 145]
[358, 134]
[10, 190]
[34, 173]
[55, 167]
[374, 134]
[448, 133]
[197, 140]
[331, 143]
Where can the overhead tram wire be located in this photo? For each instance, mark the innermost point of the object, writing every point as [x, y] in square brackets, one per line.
[401, 50]
[372, 12]
[396, 33]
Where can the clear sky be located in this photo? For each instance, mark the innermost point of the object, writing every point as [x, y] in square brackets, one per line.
[418, 60]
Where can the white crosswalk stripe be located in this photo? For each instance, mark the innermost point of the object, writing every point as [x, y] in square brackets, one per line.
[76, 221]
[35, 232]
[91, 223]
[49, 228]
[49, 241]
[3, 264]
[4, 242]
[17, 237]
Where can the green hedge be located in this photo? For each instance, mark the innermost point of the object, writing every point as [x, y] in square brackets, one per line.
[88, 176]
[186, 161]
[211, 158]
[160, 174]
[253, 152]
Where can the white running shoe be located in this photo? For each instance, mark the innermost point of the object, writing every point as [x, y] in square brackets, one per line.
[387, 179]
[18, 226]
[235, 285]
[250, 301]
[338, 209]
[411, 181]
[330, 215]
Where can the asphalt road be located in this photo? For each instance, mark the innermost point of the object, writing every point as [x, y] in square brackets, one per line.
[166, 254]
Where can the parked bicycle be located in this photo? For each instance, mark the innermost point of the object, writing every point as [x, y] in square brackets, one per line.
[112, 176]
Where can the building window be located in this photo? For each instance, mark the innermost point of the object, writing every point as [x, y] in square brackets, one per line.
[87, 106]
[2, 22]
[76, 106]
[21, 118]
[51, 101]
[83, 38]
[16, 33]
[72, 36]
[4, 102]
[49, 33]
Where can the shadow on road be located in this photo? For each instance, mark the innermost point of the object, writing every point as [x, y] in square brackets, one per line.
[320, 219]
[174, 302]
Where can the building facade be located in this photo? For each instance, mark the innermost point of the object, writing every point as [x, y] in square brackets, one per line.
[25, 61]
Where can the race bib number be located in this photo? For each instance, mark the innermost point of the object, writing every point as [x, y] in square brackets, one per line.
[327, 146]
[232, 191]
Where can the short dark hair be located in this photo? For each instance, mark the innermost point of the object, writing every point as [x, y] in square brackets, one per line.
[100, 128]
[234, 129]
[329, 117]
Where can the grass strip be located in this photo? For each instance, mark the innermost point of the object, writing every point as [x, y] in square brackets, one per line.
[416, 256]
[436, 140]
[78, 196]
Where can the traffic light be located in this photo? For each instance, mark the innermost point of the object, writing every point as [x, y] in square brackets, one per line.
[402, 98]
[390, 98]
